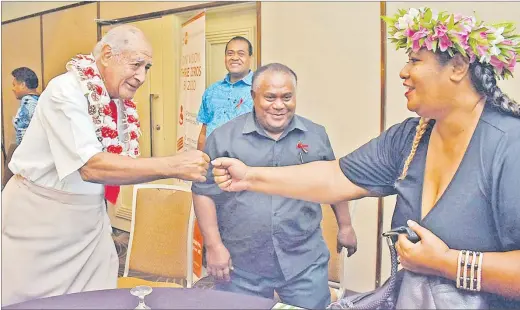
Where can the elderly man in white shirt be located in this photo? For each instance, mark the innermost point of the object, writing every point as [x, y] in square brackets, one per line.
[80, 146]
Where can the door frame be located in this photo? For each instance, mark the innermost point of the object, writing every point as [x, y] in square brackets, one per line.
[215, 4]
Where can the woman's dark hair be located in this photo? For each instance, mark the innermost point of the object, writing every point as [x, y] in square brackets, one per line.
[485, 82]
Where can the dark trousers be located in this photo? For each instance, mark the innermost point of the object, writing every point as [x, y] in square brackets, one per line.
[309, 289]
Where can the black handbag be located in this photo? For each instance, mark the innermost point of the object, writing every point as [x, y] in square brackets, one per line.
[385, 296]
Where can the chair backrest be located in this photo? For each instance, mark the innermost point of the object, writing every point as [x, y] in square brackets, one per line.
[161, 233]
[330, 231]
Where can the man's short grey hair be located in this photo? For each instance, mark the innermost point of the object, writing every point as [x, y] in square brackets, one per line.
[272, 67]
[118, 38]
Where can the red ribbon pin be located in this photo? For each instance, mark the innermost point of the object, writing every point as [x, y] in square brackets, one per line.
[302, 146]
[239, 103]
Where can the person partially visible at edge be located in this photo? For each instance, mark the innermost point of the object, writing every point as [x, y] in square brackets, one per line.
[81, 145]
[25, 84]
[256, 243]
[230, 97]
[455, 168]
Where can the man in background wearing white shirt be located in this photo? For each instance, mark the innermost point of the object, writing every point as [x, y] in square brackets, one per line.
[80, 146]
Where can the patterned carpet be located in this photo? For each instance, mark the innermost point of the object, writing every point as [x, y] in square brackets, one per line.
[121, 242]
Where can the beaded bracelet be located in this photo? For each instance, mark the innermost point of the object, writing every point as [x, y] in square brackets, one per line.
[465, 286]
[459, 263]
[471, 282]
[473, 278]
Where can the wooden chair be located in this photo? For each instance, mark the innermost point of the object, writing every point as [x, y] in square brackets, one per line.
[337, 281]
[161, 236]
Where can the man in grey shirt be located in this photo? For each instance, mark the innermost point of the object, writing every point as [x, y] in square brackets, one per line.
[269, 243]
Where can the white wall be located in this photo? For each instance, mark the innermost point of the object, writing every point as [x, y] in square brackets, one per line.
[334, 49]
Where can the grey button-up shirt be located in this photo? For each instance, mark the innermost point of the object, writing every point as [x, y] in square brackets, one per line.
[267, 235]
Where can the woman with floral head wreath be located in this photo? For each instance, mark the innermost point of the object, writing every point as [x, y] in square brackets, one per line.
[455, 168]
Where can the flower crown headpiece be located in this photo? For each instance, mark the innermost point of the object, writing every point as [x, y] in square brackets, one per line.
[495, 44]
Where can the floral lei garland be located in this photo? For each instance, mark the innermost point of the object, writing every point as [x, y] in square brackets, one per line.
[84, 66]
[496, 44]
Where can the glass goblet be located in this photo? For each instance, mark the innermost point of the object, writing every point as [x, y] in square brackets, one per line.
[141, 292]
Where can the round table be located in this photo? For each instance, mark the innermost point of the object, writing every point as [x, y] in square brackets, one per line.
[160, 298]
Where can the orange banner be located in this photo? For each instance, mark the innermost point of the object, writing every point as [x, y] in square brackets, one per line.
[197, 250]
